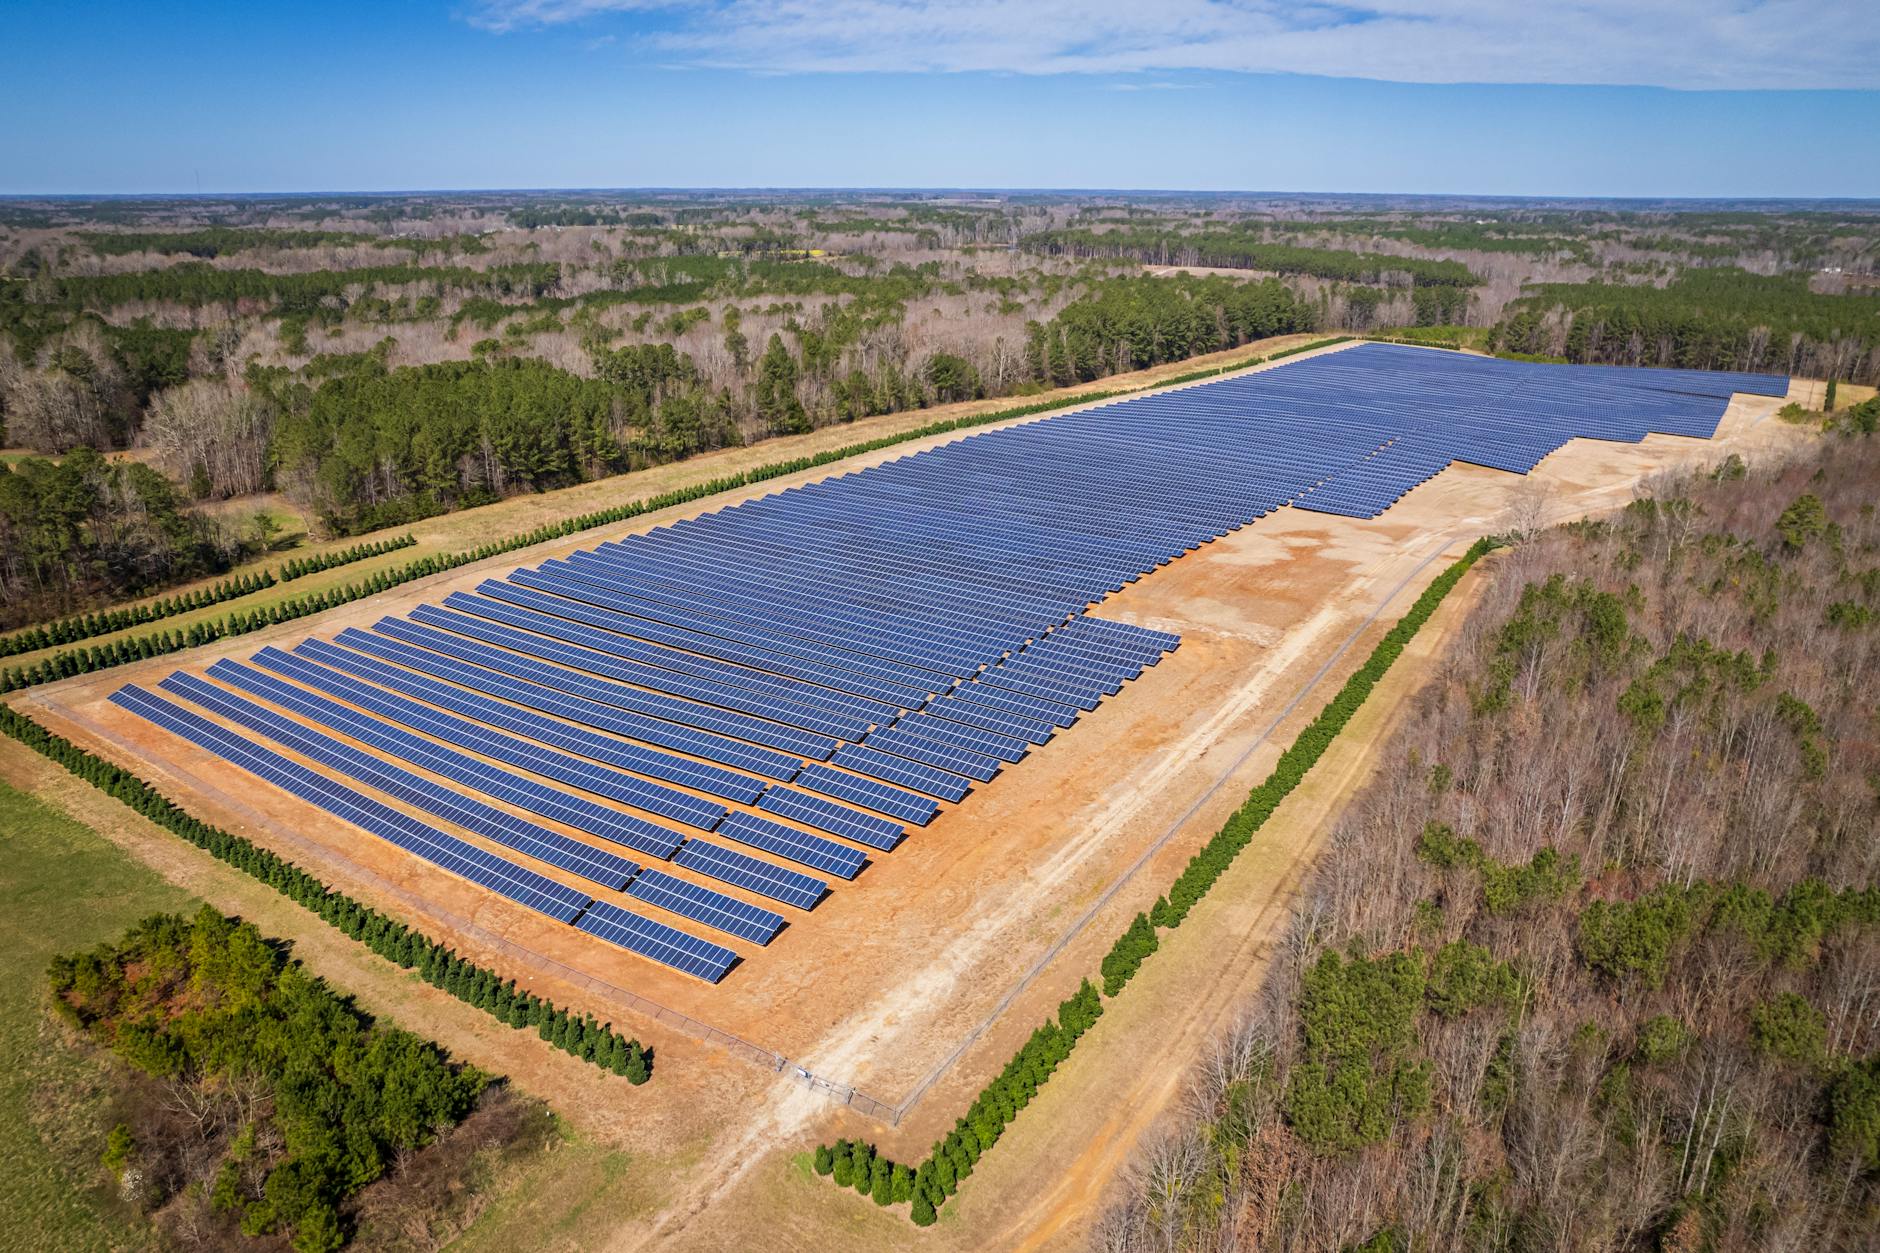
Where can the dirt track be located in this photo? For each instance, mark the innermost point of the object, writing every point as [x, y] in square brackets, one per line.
[881, 984]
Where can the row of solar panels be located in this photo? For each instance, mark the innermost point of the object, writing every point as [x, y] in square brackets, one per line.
[377, 688]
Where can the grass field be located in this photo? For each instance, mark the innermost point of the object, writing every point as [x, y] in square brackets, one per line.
[65, 888]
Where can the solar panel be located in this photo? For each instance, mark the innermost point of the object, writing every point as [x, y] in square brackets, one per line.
[655, 798]
[673, 947]
[922, 778]
[814, 811]
[786, 841]
[883, 798]
[710, 745]
[701, 904]
[920, 748]
[627, 829]
[497, 825]
[447, 852]
[754, 874]
[653, 763]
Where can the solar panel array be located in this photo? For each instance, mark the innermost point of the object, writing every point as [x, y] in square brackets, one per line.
[809, 674]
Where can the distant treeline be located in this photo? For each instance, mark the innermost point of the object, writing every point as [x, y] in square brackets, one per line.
[193, 283]
[1707, 319]
[531, 216]
[1510, 237]
[1243, 249]
[218, 241]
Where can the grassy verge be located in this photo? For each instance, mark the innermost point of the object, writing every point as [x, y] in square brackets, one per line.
[64, 888]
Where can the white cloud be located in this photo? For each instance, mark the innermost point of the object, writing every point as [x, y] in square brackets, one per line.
[1690, 44]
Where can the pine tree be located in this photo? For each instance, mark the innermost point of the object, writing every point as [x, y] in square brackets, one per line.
[639, 1066]
[923, 1212]
[881, 1181]
[825, 1160]
[775, 396]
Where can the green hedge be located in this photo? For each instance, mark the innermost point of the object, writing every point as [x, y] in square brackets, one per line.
[119, 652]
[953, 1159]
[86, 625]
[437, 964]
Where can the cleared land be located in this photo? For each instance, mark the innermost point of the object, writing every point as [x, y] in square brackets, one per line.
[884, 983]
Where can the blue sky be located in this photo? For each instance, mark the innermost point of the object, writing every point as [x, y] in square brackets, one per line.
[1582, 97]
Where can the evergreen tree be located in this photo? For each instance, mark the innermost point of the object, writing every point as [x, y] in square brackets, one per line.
[843, 1168]
[881, 1181]
[775, 395]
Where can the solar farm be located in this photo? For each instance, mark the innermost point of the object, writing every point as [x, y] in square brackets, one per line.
[725, 758]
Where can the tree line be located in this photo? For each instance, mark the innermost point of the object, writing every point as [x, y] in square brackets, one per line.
[1131, 323]
[103, 622]
[208, 242]
[1245, 249]
[84, 528]
[1709, 319]
[435, 962]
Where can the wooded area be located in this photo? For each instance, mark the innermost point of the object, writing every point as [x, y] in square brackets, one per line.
[1595, 961]
[257, 1100]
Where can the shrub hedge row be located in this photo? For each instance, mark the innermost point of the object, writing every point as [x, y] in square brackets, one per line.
[953, 1159]
[436, 963]
[119, 652]
[86, 625]
[300, 567]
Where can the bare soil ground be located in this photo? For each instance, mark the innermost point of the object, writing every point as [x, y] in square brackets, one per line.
[929, 970]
